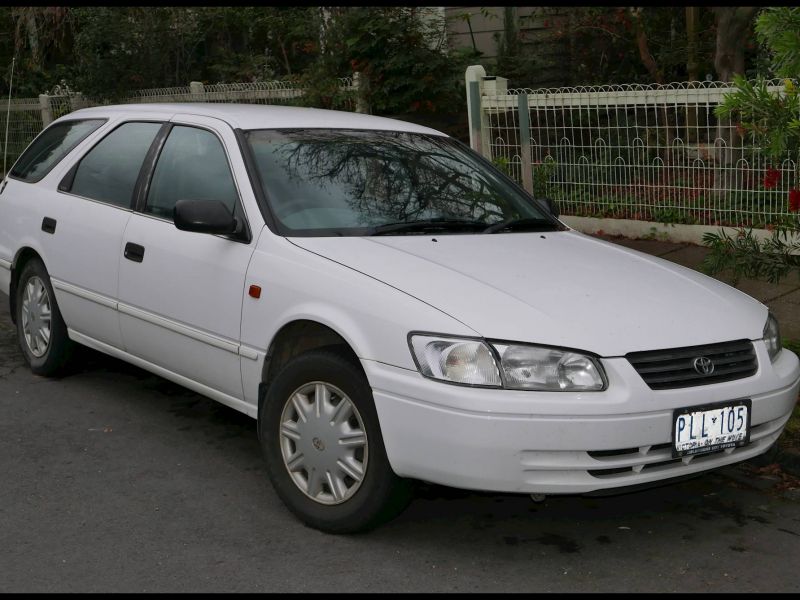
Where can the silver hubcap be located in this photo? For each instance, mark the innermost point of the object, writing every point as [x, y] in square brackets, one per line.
[323, 443]
[36, 316]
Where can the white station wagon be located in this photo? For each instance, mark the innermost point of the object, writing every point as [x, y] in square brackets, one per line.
[387, 305]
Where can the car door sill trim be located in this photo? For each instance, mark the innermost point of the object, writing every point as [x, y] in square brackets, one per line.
[85, 294]
[184, 330]
[5, 264]
[148, 317]
[235, 403]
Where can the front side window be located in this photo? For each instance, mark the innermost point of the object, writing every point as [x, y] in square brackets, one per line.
[352, 182]
[192, 166]
[109, 171]
[53, 144]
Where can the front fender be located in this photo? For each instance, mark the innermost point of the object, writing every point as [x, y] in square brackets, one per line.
[373, 317]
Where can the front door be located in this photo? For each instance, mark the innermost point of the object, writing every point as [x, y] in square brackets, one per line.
[180, 293]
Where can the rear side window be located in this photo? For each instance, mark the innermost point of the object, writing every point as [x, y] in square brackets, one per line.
[109, 171]
[192, 166]
[53, 144]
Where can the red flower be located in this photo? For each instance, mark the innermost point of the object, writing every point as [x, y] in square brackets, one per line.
[794, 200]
[771, 178]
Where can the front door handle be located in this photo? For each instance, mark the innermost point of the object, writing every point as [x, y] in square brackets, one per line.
[134, 252]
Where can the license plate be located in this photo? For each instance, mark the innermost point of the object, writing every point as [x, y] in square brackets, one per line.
[700, 429]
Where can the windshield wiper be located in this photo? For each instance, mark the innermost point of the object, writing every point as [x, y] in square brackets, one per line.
[529, 224]
[426, 225]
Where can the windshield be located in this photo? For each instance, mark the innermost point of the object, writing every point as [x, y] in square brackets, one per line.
[322, 182]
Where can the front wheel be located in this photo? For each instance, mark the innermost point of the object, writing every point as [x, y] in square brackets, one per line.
[321, 438]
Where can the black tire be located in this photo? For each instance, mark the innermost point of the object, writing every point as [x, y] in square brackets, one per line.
[381, 496]
[60, 348]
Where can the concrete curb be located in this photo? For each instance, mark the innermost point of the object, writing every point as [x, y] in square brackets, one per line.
[670, 232]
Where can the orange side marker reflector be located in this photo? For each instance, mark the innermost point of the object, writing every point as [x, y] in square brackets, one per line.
[255, 291]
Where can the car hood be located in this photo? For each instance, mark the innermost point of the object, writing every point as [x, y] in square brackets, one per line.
[555, 288]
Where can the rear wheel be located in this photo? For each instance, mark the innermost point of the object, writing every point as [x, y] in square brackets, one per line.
[321, 438]
[41, 331]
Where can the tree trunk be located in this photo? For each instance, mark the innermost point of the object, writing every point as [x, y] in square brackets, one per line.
[33, 34]
[732, 25]
[656, 75]
[692, 17]
[644, 47]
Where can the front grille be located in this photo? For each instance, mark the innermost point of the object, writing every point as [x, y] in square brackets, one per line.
[674, 368]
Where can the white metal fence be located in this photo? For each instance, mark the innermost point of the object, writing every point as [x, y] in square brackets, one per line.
[645, 152]
[28, 116]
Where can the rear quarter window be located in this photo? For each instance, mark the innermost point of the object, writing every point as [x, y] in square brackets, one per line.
[53, 144]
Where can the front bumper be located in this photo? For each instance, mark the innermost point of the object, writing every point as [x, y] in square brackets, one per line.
[558, 442]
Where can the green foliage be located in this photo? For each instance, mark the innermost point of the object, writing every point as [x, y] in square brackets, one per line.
[120, 49]
[542, 174]
[501, 162]
[670, 216]
[773, 121]
[404, 67]
[38, 37]
[257, 43]
[779, 29]
[744, 256]
[604, 47]
[106, 52]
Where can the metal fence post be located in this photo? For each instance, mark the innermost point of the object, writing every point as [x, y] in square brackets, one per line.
[475, 134]
[362, 106]
[46, 109]
[197, 90]
[473, 75]
[525, 143]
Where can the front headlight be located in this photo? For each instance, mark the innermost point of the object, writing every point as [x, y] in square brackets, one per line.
[475, 362]
[464, 361]
[549, 369]
[772, 336]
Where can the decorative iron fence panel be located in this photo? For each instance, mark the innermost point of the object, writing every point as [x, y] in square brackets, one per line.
[645, 152]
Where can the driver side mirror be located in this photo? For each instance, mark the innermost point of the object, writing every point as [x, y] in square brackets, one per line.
[204, 216]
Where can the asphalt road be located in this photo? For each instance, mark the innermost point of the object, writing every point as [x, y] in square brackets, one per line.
[112, 479]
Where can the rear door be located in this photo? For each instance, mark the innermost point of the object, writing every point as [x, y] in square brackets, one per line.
[83, 218]
[97, 199]
[181, 292]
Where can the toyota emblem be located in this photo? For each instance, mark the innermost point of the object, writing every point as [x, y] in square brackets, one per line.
[703, 365]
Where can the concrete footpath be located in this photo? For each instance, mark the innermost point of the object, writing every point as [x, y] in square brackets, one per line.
[783, 299]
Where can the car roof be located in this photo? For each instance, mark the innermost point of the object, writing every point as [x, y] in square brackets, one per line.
[256, 116]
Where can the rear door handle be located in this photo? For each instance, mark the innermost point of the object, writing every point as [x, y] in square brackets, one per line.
[134, 252]
[48, 225]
